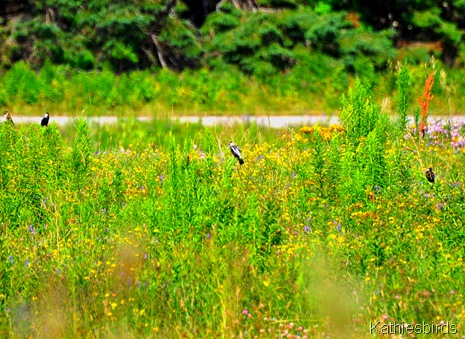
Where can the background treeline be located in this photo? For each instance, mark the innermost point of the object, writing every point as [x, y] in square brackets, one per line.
[261, 36]
[294, 44]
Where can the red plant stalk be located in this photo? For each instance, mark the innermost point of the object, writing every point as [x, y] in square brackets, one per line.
[425, 101]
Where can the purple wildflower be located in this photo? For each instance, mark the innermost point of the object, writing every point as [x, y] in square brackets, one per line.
[306, 228]
[31, 229]
[338, 225]
[161, 177]
[10, 259]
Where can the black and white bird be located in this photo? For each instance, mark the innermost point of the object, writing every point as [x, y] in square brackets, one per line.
[236, 152]
[44, 121]
[7, 118]
[430, 175]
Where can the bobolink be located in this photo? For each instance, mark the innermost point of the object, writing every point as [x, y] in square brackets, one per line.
[236, 152]
[430, 175]
[44, 121]
[7, 117]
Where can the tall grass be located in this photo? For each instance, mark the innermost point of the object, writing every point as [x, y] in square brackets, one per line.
[404, 83]
[110, 233]
[313, 87]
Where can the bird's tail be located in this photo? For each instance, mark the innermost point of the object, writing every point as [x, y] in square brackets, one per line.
[241, 161]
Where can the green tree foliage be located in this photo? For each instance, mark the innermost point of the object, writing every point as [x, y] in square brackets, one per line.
[422, 21]
[98, 33]
[139, 34]
[260, 37]
[269, 42]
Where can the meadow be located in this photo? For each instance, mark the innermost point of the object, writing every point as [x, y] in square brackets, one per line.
[312, 87]
[155, 230]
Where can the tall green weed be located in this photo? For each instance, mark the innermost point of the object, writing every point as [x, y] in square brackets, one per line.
[404, 97]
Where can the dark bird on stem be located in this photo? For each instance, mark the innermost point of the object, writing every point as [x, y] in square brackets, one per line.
[430, 175]
[44, 121]
[7, 117]
[236, 152]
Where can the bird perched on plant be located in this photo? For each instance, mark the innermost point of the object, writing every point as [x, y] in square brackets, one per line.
[430, 175]
[44, 121]
[236, 152]
[7, 117]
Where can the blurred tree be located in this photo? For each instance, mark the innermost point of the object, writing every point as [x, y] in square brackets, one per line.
[258, 35]
[122, 34]
[420, 21]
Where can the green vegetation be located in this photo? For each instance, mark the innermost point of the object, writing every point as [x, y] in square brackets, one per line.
[154, 230]
[130, 231]
[63, 91]
[234, 57]
[261, 36]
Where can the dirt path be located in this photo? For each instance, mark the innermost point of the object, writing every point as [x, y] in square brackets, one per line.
[264, 121]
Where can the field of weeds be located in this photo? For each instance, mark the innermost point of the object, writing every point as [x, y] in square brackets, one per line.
[322, 232]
